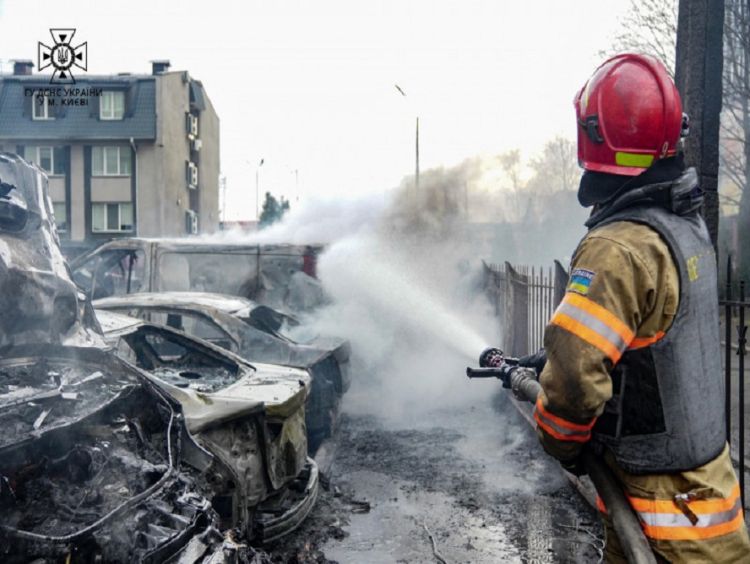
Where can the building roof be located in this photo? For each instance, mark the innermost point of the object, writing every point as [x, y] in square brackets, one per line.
[74, 122]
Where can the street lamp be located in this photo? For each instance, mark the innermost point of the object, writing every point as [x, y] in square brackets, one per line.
[416, 147]
[257, 190]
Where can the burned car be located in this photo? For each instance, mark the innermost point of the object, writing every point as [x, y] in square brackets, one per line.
[98, 458]
[39, 301]
[249, 417]
[91, 454]
[258, 334]
[279, 275]
[91, 462]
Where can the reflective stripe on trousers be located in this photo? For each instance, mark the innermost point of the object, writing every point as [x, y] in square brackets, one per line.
[665, 520]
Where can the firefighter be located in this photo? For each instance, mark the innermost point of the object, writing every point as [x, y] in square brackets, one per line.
[633, 355]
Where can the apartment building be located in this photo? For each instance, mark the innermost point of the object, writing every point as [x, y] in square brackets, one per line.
[126, 155]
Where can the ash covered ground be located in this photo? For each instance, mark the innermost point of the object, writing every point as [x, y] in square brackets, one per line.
[466, 485]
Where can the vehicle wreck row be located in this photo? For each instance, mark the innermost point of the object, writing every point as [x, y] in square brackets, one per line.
[130, 441]
[257, 333]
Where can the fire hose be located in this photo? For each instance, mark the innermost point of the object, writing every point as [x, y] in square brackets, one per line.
[494, 364]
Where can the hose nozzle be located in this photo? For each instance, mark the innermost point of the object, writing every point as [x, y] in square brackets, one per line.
[491, 357]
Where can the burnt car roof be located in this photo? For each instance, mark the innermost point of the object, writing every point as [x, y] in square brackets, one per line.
[201, 244]
[179, 300]
[114, 323]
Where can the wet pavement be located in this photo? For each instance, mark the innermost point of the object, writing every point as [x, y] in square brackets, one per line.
[469, 484]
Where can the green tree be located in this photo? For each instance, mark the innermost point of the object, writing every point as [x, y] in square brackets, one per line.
[273, 210]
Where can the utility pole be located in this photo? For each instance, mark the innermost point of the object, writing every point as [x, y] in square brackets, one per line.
[257, 190]
[416, 152]
[296, 183]
[466, 201]
[223, 212]
[416, 165]
[698, 76]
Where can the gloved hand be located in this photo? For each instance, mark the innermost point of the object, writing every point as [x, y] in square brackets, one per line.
[567, 453]
[506, 370]
[574, 466]
[535, 361]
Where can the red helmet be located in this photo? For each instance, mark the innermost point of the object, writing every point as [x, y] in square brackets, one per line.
[629, 115]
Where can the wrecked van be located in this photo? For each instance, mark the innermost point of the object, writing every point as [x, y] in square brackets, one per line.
[258, 334]
[280, 276]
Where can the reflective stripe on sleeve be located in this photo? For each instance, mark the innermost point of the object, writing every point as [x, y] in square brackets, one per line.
[560, 428]
[662, 519]
[641, 342]
[594, 324]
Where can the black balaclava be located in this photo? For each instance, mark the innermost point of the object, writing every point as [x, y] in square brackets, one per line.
[600, 187]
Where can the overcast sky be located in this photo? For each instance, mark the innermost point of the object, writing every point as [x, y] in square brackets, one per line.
[309, 85]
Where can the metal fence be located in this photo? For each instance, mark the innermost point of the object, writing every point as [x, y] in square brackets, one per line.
[524, 298]
[735, 305]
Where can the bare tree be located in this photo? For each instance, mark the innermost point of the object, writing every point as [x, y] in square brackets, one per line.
[511, 165]
[649, 27]
[556, 168]
[735, 132]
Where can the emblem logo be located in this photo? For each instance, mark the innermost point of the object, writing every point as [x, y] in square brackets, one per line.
[62, 56]
[580, 280]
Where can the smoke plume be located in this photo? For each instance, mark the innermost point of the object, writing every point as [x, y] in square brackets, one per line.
[404, 273]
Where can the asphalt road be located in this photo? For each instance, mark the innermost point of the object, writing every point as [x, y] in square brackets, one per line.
[469, 484]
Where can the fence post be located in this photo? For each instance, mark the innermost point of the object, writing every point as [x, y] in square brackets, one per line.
[517, 310]
[561, 282]
[493, 288]
[741, 342]
[728, 352]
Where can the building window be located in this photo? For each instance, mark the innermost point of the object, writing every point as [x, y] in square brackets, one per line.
[111, 217]
[191, 125]
[41, 107]
[49, 159]
[191, 173]
[112, 105]
[110, 161]
[61, 216]
[191, 222]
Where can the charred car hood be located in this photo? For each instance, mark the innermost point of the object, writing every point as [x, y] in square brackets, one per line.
[210, 395]
[235, 409]
[277, 391]
[90, 462]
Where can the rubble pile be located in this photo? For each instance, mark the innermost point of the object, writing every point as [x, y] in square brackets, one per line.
[45, 394]
[102, 476]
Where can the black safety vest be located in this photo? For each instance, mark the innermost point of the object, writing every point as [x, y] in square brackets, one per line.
[667, 409]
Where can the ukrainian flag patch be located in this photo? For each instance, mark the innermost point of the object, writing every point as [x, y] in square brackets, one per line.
[580, 280]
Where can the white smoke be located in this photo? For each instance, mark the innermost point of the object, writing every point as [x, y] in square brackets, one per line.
[405, 285]
[415, 317]
[317, 221]
[404, 271]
